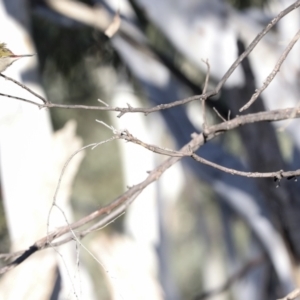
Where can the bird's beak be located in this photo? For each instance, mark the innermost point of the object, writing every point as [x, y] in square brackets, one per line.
[23, 55]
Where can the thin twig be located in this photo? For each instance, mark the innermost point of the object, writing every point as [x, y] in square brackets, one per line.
[204, 92]
[54, 203]
[126, 135]
[101, 101]
[219, 115]
[278, 175]
[124, 199]
[22, 99]
[253, 44]
[122, 110]
[228, 116]
[146, 111]
[265, 116]
[274, 71]
[25, 88]
[156, 149]
[198, 140]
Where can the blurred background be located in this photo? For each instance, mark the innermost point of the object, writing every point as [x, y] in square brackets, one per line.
[197, 233]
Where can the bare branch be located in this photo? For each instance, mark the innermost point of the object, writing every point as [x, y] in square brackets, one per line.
[164, 151]
[125, 199]
[204, 91]
[25, 88]
[274, 71]
[253, 45]
[122, 110]
[21, 99]
[146, 111]
[219, 115]
[104, 103]
[278, 175]
[266, 116]
[119, 205]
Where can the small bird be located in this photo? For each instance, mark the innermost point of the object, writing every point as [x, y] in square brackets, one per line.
[7, 57]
